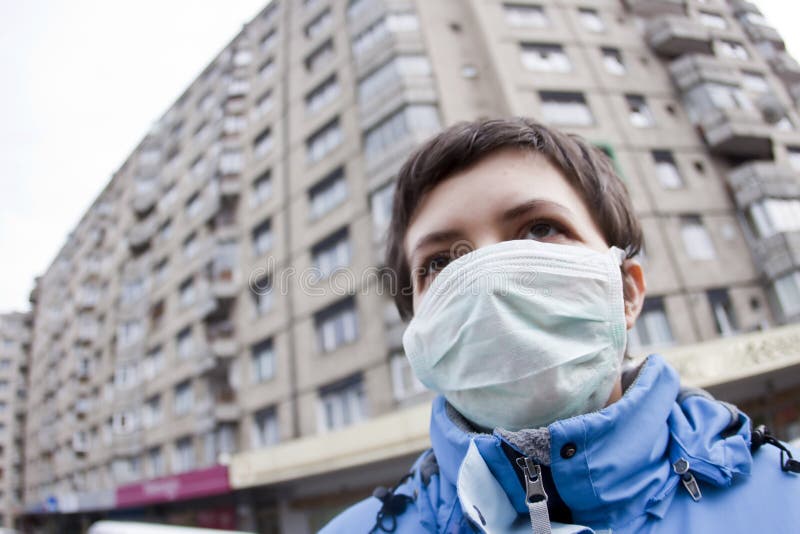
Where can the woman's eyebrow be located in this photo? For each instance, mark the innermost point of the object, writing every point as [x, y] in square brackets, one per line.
[534, 205]
[434, 238]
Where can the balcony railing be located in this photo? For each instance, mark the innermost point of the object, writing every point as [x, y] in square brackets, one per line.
[735, 132]
[778, 254]
[672, 36]
[693, 69]
[653, 8]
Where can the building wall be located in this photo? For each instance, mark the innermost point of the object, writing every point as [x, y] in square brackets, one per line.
[106, 304]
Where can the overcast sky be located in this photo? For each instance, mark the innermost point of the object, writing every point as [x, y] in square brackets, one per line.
[83, 80]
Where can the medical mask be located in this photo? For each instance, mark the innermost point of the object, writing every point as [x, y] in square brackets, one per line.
[520, 334]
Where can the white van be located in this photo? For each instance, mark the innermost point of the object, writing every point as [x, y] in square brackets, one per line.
[132, 527]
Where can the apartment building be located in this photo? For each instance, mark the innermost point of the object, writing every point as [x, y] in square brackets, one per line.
[220, 308]
[15, 338]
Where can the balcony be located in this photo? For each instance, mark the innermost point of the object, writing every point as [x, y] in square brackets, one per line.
[88, 332]
[738, 133]
[142, 232]
[741, 7]
[230, 185]
[778, 254]
[227, 412]
[694, 69]
[129, 444]
[759, 33]
[655, 8]
[222, 339]
[87, 298]
[757, 180]
[672, 36]
[785, 67]
[144, 199]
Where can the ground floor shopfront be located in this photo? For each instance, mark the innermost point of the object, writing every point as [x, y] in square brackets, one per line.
[296, 487]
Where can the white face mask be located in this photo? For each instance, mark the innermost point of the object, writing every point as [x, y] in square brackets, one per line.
[520, 334]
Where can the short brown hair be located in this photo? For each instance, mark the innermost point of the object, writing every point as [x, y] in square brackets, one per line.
[587, 168]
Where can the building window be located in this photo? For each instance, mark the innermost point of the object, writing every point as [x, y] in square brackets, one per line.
[612, 61]
[332, 253]
[194, 205]
[787, 291]
[184, 398]
[696, 239]
[165, 231]
[336, 325]
[125, 376]
[265, 428]
[233, 124]
[124, 422]
[231, 162]
[153, 363]
[730, 50]
[184, 455]
[262, 238]
[381, 205]
[330, 192]
[404, 382]
[376, 32]
[342, 404]
[155, 463]
[186, 292]
[525, 16]
[151, 412]
[263, 104]
[639, 113]
[391, 74]
[318, 25]
[793, 155]
[755, 82]
[262, 143]
[262, 295]
[591, 20]
[722, 308]
[185, 343]
[565, 109]
[262, 188]
[652, 328]
[774, 215]
[667, 170]
[268, 40]
[191, 245]
[324, 141]
[422, 118]
[129, 332]
[545, 58]
[322, 55]
[263, 361]
[266, 69]
[321, 95]
[712, 20]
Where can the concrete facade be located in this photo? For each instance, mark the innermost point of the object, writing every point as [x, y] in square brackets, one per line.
[188, 317]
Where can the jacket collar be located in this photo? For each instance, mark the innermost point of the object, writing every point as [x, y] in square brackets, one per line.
[622, 466]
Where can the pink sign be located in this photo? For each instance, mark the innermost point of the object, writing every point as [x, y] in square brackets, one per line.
[191, 485]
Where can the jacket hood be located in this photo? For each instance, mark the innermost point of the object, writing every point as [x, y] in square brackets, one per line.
[623, 454]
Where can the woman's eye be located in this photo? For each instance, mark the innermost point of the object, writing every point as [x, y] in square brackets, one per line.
[436, 264]
[542, 230]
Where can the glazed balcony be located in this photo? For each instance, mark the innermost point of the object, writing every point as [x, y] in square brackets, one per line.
[778, 254]
[694, 69]
[673, 36]
[785, 67]
[736, 132]
[655, 8]
[142, 232]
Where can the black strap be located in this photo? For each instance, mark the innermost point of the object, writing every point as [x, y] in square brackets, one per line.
[394, 504]
[761, 435]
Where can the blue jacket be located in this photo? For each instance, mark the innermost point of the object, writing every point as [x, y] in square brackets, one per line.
[614, 470]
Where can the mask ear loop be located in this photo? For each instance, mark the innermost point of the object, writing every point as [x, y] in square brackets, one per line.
[618, 254]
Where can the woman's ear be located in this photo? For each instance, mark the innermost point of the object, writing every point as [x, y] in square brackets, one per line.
[634, 288]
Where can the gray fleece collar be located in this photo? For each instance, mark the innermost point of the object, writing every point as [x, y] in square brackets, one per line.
[533, 442]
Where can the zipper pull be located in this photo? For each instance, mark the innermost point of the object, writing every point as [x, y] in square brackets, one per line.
[535, 496]
[681, 468]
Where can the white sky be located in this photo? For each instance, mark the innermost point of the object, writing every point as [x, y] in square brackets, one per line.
[83, 80]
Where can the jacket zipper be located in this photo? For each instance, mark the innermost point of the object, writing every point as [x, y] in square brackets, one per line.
[535, 496]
